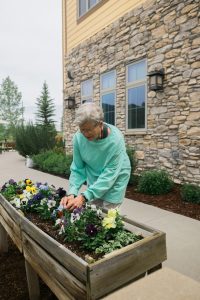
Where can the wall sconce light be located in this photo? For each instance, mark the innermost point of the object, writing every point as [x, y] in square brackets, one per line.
[70, 74]
[156, 80]
[70, 102]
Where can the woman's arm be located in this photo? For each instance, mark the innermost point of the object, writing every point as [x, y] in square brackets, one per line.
[107, 177]
[77, 176]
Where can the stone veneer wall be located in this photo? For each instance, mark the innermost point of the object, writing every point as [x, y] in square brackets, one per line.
[167, 34]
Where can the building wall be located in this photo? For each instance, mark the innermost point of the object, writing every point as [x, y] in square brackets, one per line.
[78, 30]
[166, 33]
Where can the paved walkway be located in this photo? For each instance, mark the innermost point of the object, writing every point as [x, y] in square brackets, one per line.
[183, 233]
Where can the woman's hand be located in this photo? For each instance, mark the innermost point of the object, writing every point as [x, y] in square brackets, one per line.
[64, 201]
[75, 202]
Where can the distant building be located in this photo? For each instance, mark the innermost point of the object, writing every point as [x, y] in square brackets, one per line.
[111, 48]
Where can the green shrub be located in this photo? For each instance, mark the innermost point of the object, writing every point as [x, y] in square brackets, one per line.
[155, 182]
[133, 162]
[190, 193]
[32, 139]
[53, 162]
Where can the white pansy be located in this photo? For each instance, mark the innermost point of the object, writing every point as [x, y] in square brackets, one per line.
[24, 201]
[99, 212]
[16, 202]
[27, 194]
[93, 207]
[74, 217]
[43, 201]
[51, 203]
[58, 221]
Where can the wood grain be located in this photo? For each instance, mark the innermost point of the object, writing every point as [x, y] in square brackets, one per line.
[12, 229]
[68, 259]
[54, 275]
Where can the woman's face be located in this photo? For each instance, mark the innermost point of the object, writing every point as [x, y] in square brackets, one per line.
[91, 130]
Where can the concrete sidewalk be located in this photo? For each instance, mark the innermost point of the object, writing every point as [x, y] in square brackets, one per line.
[183, 233]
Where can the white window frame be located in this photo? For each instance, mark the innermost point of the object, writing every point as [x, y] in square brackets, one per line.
[88, 98]
[109, 90]
[87, 7]
[133, 84]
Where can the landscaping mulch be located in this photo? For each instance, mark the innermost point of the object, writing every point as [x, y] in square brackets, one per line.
[171, 202]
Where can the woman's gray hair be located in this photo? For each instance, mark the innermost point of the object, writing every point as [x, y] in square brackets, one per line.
[89, 112]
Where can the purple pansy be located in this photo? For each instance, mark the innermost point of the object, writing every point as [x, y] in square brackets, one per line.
[91, 230]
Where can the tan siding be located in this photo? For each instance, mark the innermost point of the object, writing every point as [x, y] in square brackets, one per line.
[96, 21]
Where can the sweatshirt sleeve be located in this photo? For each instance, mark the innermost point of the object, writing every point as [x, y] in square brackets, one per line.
[108, 176]
[78, 174]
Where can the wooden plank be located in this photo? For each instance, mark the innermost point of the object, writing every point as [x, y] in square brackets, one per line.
[51, 271]
[10, 221]
[68, 259]
[33, 282]
[122, 266]
[3, 239]
[11, 210]
[140, 226]
[55, 286]
[11, 229]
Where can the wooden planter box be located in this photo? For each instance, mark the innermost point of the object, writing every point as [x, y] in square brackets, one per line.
[69, 276]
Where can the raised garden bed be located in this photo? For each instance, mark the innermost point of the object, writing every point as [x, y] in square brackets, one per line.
[69, 276]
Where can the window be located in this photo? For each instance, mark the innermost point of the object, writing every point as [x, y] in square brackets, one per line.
[108, 96]
[87, 91]
[86, 5]
[136, 95]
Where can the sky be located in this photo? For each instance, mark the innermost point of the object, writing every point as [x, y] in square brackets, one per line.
[31, 50]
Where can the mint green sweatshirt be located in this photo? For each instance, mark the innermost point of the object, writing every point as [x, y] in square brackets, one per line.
[103, 164]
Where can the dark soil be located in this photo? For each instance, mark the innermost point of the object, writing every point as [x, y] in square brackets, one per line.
[171, 202]
[12, 271]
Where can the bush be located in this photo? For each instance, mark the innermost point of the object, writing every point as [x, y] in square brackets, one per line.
[133, 161]
[190, 193]
[155, 183]
[52, 162]
[32, 139]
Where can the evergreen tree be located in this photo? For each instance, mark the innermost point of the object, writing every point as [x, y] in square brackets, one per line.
[45, 108]
[11, 107]
[44, 118]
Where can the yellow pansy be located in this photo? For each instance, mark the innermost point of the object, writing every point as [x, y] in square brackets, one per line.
[109, 222]
[33, 189]
[112, 213]
[28, 188]
[28, 181]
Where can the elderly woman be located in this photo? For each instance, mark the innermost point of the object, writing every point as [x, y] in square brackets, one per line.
[100, 159]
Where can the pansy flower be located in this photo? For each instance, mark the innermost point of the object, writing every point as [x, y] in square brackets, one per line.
[28, 181]
[91, 230]
[16, 202]
[61, 192]
[33, 189]
[11, 181]
[51, 203]
[28, 188]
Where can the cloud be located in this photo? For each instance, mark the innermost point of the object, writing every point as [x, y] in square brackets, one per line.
[31, 47]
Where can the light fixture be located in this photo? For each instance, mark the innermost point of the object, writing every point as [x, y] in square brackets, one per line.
[70, 74]
[70, 102]
[156, 80]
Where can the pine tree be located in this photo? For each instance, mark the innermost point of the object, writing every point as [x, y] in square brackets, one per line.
[11, 107]
[45, 108]
[44, 118]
